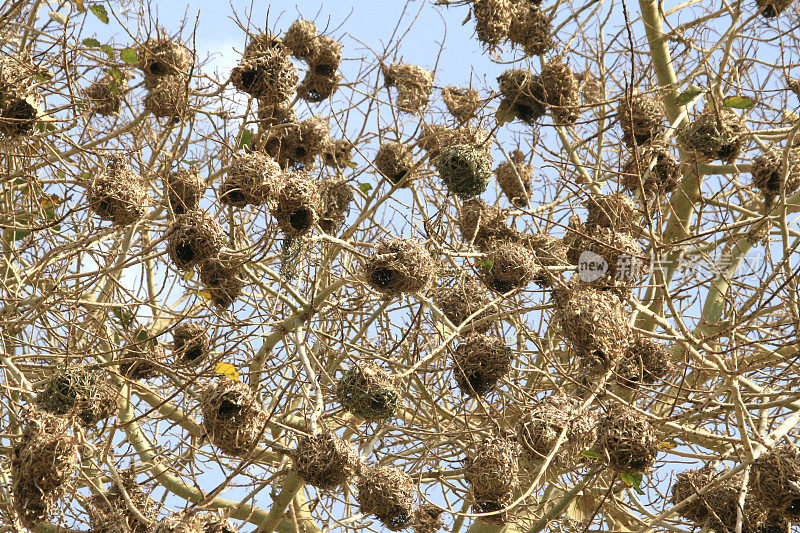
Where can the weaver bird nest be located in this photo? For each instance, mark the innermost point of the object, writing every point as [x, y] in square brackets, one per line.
[367, 391]
[142, 358]
[79, 390]
[338, 153]
[233, 419]
[106, 94]
[484, 225]
[301, 38]
[506, 266]
[223, 278]
[414, 85]
[620, 260]
[19, 116]
[492, 21]
[774, 479]
[435, 137]
[326, 58]
[297, 204]
[427, 518]
[615, 211]
[645, 361]
[163, 59]
[387, 493]
[335, 199]
[462, 299]
[400, 266]
[560, 90]
[491, 471]
[184, 190]
[549, 252]
[653, 170]
[540, 427]
[394, 160]
[190, 343]
[325, 461]
[531, 29]
[315, 87]
[771, 175]
[109, 512]
[465, 169]
[514, 178]
[479, 362]
[524, 93]
[462, 103]
[252, 179]
[772, 8]
[626, 440]
[193, 238]
[117, 195]
[714, 134]
[185, 522]
[168, 99]
[688, 483]
[641, 118]
[299, 145]
[269, 76]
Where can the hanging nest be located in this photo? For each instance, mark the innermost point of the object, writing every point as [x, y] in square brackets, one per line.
[774, 479]
[462, 299]
[325, 461]
[297, 204]
[465, 169]
[298, 145]
[591, 88]
[106, 94]
[663, 178]
[17, 77]
[118, 195]
[338, 153]
[479, 362]
[185, 189]
[641, 118]
[531, 29]
[645, 361]
[414, 85]
[427, 518]
[252, 179]
[316, 87]
[387, 493]
[190, 343]
[514, 178]
[463, 104]
[233, 419]
[620, 252]
[492, 21]
[506, 266]
[626, 440]
[394, 160]
[688, 483]
[400, 266]
[180, 523]
[367, 391]
[79, 390]
[162, 59]
[713, 137]
[301, 38]
[270, 77]
[193, 238]
[109, 512]
[560, 90]
[223, 278]
[549, 252]
[141, 358]
[216, 523]
[770, 175]
[261, 43]
[169, 99]
[336, 196]
[435, 137]
[523, 92]
[278, 114]
[539, 428]
[772, 8]
[491, 471]
[326, 57]
[19, 116]
[484, 225]
[615, 211]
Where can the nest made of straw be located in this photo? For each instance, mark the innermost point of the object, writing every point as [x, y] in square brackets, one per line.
[414, 85]
[655, 182]
[772, 8]
[109, 512]
[427, 518]
[463, 298]
[223, 278]
[491, 471]
[560, 91]
[336, 196]
[400, 266]
[162, 59]
[367, 391]
[591, 87]
[645, 361]
[301, 38]
[531, 29]
[338, 153]
[615, 211]
[297, 204]
[717, 133]
[688, 483]
[262, 42]
[252, 179]
[79, 390]
[193, 238]
[549, 252]
[278, 114]
[774, 479]
[622, 255]
[141, 358]
[772, 177]
[233, 419]
[326, 57]
[641, 118]
[117, 195]
[216, 523]
[270, 76]
[169, 98]
[106, 93]
[462, 104]
[190, 343]
[524, 93]
[298, 145]
[184, 190]
[479, 362]
[317, 87]
[506, 266]
[492, 21]
[626, 440]
[465, 169]
[435, 137]
[19, 116]
[180, 522]
[394, 160]
[387, 493]
[539, 428]
[325, 461]
[514, 178]
[484, 225]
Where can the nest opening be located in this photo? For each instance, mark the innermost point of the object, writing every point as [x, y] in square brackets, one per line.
[367, 391]
[400, 266]
[325, 461]
[464, 169]
[387, 493]
[271, 77]
[479, 362]
[232, 417]
[190, 343]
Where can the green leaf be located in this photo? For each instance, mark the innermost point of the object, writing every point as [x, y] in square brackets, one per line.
[91, 42]
[124, 316]
[486, 263]
[129, 55]
[633, 480]
[142, 335]
[738, 102]
[100, 12]
[505, 112]
[365, 187]
[349, 164]
[108, 50]
[58, 17]
[50, 214]
[591, 454]
[18, 235]
[42, 77]
[246, 140]
[689, 94]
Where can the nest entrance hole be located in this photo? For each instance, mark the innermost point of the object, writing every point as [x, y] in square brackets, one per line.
[325, 69]
[228, 409]
[185, 252]
[793, 508]
[159, 68]
[501, 286]
[385, 278]
[477, 382]
[194, 353]
[301, 219]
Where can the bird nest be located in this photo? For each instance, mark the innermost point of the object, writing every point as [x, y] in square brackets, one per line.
[141, 358]
[645, 361]
[435, 137]
[180, 523]
[608, 259]
[184, 190]
[193, 238]
[615, 211]
[688, 483]
[190, 343]
[772, 8]
[539, 428]
[662, 178]
[774, 479]
[549, 252]
[387, 493]
[641, 118]
[427, 518]
[400, 266]
[491, 471]
[223, 278]
[367, 391]
[325, 58]
[298, 145]
[109, 512]
[301, 38]
[560, 88]
[106, 94]
[414, 85]
[297, 204]
[336, 196]
[626, 440]
[484, 225]
[524, 92]
[714, 134]
[252, 179]
[19, 116]
[506, 266]
[463, 104]
[492, 21]
[394, 160]
[77, 390]
[317, 87]
[118, 195]
[479, 362]
[168, 99]
[279, 114]
[514, 178]
[271, 77]
[338, 153]
[325, 461]
[464, 298]
[465, 169]
[771, 175]
[163, 59]
[531, 29]
[233, 418]
[262, 42]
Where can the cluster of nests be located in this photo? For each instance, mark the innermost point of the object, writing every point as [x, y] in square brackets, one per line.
[19, 107]
[530, 95]
[167, 67]
[192, 522]
[523, 23]
[233, 418]
[78, 391]
[109, 512]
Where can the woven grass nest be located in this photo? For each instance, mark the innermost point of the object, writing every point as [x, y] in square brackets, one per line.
[479, 362]
[771, 176]
[252, 179]
[301, 38]
[76, 389]
[774, 478]
[560, 88]
[168, 99]
[506, 266]
[223, 278]
[395, 162]
[641, 119]
[109, 512]
[414, 85]
[325, 461]
[549, 252]
[621, 253]
[465, 169]
[117, 195]
[714, 135]
[161, 59]
[427, 518]
[184, 190]
[19, 116]
[193, 238]
[190, 343]
[464, 297]
[663, 178]
[269, 76]
[539, 428]
[400, 266]
[435, 137]
[645, 361]
[615, 211]
[338, 152]
[772, 8]
[275, 115]
[262, 42]
[387, 493]
[492, 21]
[233, 419]
[297, 204]
[531, 29]
[299, 145]
[106, 94]
[315, 87]
[483, 225]
[491, 471]
[141, 358]
[514, 178]
[189, 522]
[626, 440]
[524, 92]
[367, 391]
[462, 104]
[336, 196]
